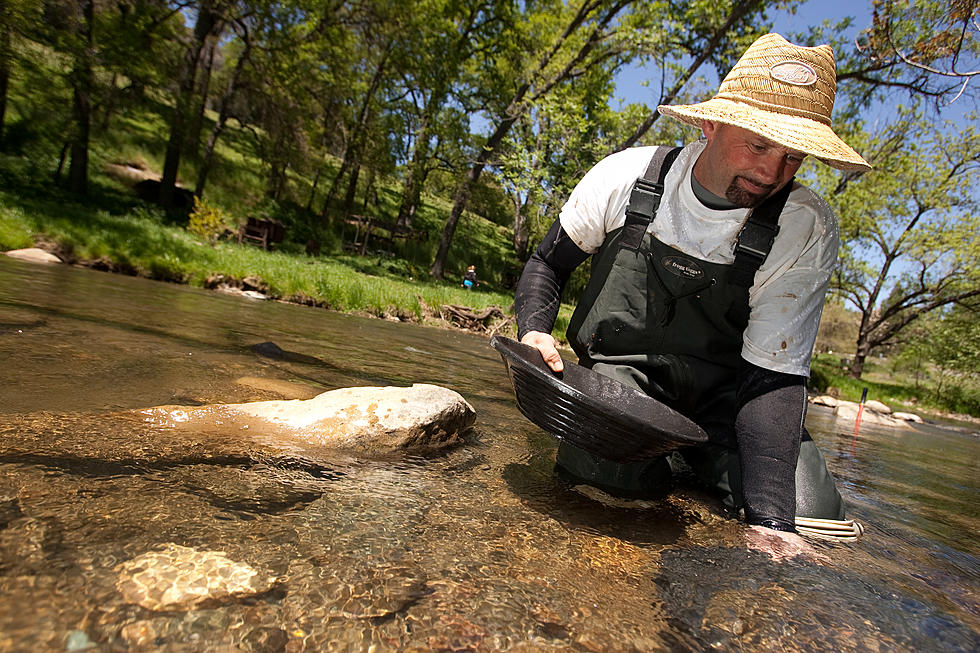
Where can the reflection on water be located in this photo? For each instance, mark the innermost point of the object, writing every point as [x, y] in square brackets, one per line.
[477, 548]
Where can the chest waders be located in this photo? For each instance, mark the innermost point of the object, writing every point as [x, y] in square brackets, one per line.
[671, 326]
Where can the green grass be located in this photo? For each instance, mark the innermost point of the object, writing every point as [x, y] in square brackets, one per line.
[897, 391]
[141, 242]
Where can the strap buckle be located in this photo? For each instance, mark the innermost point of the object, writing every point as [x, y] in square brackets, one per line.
[645, 198]
[755, 239]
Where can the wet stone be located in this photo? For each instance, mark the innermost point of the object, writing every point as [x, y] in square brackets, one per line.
[181, 578]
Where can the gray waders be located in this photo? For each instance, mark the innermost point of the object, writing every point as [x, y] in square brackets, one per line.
[671, 326]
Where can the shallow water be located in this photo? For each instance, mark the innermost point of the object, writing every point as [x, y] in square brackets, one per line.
[477, 548]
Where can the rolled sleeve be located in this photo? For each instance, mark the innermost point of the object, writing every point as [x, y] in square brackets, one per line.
[787, 298]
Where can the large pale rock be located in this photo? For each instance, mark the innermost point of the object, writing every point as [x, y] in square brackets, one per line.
[35, 254]
[849, 410]
[181, 578]
[825, 400]
[908, 417]
[372, 419]
[878, 407]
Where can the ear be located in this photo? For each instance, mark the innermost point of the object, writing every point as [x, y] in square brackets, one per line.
[709, 128]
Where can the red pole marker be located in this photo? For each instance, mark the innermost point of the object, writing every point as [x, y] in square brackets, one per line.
[857, 421]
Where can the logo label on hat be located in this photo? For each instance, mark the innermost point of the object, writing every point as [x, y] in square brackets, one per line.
[794, 72]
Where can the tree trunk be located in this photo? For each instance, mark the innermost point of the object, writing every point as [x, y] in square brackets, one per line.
[465, 190]
[206, 19]
[82, 80]
[355, 147]
[860, 355]
[193, 142]
[62, 157]
[316, 181]
[522, 234]
[224, 112]
[208, 158]
[4, 65]
[412, 188]
[78, 166]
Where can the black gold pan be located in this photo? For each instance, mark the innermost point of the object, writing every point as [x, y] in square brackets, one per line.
[594, 412]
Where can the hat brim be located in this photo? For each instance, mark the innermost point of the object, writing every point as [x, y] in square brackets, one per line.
[795, 132]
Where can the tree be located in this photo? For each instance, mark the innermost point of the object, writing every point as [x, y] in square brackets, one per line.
[936, 41]
[13, 22]
[81, 32]
[909, 227]
[448, 35]
[551, 147]
[953, 345]
[208, 24]
[576, 39]
[695, 34]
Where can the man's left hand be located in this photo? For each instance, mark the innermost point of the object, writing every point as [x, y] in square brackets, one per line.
[781, 545]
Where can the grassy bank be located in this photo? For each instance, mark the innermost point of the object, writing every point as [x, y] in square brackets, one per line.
[142, 242]
[900, 392]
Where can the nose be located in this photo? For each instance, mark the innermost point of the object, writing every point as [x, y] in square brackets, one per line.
[771, 168]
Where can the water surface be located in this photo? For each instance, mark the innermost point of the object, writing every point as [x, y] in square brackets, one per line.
[478, 548]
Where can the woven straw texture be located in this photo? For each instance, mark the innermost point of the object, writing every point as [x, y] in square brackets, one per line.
[783, 92]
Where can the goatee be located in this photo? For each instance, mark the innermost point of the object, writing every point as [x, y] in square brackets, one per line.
[743, 198]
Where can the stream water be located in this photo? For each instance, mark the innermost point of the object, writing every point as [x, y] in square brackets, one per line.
[477, 548]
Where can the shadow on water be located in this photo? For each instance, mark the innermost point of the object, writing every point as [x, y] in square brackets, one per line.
[475, 548]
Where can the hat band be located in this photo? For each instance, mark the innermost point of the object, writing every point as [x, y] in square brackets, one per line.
[776, 108]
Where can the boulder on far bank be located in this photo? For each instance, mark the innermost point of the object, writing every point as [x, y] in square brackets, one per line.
[35, 254]
[874, 411]
[878, 407]
[908, 417]
[362, 419]
[849, 410]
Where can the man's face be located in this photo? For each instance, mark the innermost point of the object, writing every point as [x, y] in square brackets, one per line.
[742, 166]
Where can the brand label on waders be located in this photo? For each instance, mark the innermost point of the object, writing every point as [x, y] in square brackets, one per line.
[682, 267]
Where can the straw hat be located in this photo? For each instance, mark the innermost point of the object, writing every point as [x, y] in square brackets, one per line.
[783, 92]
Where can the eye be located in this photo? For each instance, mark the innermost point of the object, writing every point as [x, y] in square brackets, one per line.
[758, 148]
[795, 159]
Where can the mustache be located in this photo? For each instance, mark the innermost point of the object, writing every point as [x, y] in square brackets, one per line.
[767, 188]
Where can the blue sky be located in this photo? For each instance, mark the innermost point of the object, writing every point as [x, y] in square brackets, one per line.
[629, 86]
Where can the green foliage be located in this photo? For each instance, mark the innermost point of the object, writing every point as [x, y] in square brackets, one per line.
[15, 229]
[909, 226]
[898, 387]
[207, 221]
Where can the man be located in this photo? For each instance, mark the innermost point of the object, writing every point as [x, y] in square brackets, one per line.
[707, 284]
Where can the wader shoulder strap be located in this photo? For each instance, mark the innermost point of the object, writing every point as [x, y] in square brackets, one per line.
[645, 197]
[754, 241]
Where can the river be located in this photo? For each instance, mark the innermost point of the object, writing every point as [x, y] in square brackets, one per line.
[478, 548]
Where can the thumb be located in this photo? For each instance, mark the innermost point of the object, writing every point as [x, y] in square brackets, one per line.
[553, 359]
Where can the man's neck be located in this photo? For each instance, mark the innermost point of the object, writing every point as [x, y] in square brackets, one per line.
[709, 199]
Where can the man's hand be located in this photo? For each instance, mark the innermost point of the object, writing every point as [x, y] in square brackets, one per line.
[547, 345]
[780, 545]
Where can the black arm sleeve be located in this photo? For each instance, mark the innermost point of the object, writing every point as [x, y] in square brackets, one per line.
[769, 428]
[538, 293]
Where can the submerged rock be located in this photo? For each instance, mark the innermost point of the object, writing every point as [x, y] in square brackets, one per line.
[286, 389]
[371, 419]
[181, 578]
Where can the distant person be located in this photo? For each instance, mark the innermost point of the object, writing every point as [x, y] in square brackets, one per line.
[469, 278]
[707, 282]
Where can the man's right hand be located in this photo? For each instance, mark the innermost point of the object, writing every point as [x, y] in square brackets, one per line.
[547, 345]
